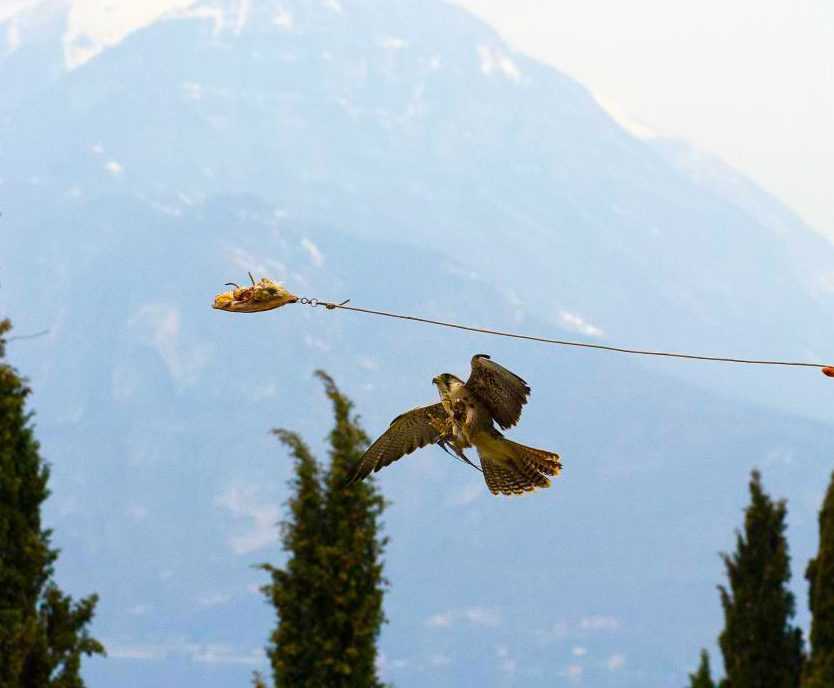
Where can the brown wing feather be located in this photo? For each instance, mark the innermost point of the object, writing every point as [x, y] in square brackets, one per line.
[501, 391]
[408, 431]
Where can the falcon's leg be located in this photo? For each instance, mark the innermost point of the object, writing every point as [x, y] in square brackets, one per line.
[448, 431]
[457, 453]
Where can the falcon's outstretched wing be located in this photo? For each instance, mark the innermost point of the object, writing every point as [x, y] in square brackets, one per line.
[409, 431]
[502, 392]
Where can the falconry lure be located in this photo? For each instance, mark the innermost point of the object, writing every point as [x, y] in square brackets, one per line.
[465, 417]
[263, 295]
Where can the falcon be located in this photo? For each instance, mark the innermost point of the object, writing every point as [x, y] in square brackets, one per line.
[465, 417]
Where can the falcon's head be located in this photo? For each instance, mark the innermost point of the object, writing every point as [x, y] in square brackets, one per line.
[446, 383]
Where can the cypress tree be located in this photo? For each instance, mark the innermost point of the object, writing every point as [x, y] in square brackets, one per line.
[328, 596]
[760, 646]
[43, 633]
[703, 677]
[820, 575]
[353, 553]
[296, 591]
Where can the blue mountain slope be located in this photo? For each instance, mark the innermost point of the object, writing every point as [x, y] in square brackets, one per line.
[154, 410]
[404, 158]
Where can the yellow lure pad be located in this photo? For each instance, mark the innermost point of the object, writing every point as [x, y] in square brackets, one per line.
[265, 295]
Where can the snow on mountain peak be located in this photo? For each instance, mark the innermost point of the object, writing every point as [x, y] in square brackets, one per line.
[629, 122]
[494, 60]
[12, 8]
[93, 26]
[283, 18]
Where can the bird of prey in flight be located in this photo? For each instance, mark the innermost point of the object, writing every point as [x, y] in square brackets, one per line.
[465, 417]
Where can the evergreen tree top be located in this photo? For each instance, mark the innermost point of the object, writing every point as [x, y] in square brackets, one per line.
[760, 645]
[328, 596]
[820, 576]
[43, 633]
[761, 553]
[703, 677]
[27, 559]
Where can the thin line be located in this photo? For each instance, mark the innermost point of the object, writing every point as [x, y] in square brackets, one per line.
[583, 345]
[35, 335]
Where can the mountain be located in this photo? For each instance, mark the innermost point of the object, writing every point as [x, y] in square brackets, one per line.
[400, 155]
[380, 116]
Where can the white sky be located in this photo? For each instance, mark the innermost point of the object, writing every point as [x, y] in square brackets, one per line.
[749, 80]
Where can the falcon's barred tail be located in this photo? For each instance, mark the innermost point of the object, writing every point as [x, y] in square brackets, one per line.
[511, 468]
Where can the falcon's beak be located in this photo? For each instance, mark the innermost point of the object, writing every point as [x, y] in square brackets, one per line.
[435, 380]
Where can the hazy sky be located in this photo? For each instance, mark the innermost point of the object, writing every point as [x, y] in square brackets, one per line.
[752, 81]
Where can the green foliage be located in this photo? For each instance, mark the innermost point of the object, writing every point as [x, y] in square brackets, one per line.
[703, 677]
[820, 574]
[760, 646]
[328, 596]
[42, 632]
[296, 591]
